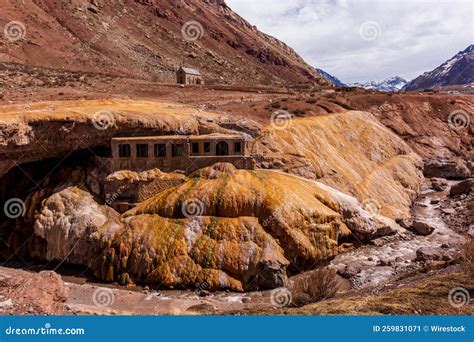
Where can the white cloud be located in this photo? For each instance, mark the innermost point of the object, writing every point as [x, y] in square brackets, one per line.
[415, 36]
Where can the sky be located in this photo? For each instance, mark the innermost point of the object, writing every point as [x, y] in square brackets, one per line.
[359, 40]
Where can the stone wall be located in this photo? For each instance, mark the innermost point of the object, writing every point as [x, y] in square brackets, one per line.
[187, 160]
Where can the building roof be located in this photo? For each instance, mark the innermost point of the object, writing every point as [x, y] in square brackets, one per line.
[191, 71]
[212, 136]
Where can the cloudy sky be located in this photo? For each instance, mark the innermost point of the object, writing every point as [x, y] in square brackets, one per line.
[359, 40]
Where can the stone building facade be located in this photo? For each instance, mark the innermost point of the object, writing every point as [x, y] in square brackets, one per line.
[189, 76]
[179, 152]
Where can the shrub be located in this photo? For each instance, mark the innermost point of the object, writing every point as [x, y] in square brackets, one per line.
[314, 286]
[467, 258]
[276, 105]
[311, 100]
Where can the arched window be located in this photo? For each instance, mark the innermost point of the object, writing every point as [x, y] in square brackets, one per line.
[222, 149]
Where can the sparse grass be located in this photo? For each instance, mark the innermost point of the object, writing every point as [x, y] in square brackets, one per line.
[314, 286]
[426, 297]
[467, 258]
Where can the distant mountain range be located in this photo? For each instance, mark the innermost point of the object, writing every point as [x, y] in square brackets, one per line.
[395, 83]
[458, 70]
[331, 78]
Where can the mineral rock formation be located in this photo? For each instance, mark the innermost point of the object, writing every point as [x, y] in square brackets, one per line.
[366, 161]
[73, 224]
[232, 229]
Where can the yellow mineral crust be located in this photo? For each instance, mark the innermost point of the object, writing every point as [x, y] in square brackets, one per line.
[354, 153]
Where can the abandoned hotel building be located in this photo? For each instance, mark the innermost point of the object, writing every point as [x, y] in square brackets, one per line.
[179, 152]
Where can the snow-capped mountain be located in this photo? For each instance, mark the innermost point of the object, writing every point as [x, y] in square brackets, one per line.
[456, 71]
[331, 78]
[395, 83]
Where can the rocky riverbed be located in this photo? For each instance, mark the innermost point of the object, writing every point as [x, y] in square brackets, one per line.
[430, 237]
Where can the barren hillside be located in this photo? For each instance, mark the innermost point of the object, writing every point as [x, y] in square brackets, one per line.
[148, 39]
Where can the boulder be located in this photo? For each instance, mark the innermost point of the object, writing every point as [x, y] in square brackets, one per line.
[439, 184]
[422, 228]
[451, 169]
[462, 188]
[429, 253]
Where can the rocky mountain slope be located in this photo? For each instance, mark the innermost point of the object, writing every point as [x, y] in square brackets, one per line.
[147, 39]
[438, 127]
[458, 70]
[395, 83]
